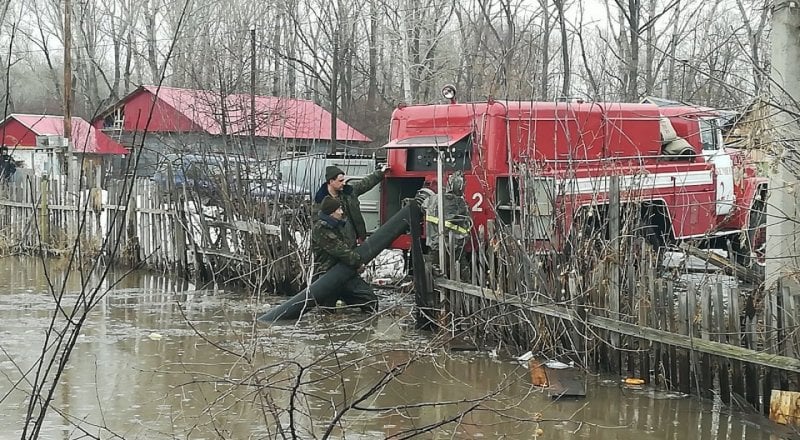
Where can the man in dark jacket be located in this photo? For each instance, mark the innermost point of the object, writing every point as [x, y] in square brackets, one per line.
[355, 230]
[457, 223]
[456, 215]
[330, 246]
[7, 164]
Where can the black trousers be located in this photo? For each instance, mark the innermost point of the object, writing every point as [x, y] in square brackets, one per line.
[355, 292]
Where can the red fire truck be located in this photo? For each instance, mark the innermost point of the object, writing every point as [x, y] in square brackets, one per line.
[537, 167]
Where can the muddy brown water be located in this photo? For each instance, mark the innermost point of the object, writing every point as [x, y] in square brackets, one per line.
[159, 358]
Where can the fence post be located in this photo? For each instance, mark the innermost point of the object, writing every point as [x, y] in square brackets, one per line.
[684, 327]
[132, 233]
[788, 322]
[723, 372]
[614, 281]
[575, 302]
[735, 331]
[706, 372]
[44, 218]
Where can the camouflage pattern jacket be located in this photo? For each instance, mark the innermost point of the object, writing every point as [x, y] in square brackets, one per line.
[355, 228]
[329, 245]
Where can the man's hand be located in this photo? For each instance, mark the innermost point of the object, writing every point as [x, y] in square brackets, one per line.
[361, 269]
[422, 195]
[383, 167]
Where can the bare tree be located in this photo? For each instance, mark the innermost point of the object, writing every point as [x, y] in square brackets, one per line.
[119, 27]
[372, 69]
[593, 91]
[89, 70]
[546, 31]
[630, 14]
[565, 49]
[359, 57]
[755, 26]
[46, 17]
[6, 59]
[650, 49]
[150, 12]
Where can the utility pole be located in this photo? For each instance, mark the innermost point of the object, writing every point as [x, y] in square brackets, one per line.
[67, 154]
[440, 206]
[253, 89]
[67, 147]
[783, 251]
[334, 90]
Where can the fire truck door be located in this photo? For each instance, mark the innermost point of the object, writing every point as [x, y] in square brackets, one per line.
[370, 203]
[714, 152]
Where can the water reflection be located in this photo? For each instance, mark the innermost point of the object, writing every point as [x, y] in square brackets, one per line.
[141, 369]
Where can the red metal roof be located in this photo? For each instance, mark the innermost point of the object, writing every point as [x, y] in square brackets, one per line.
[276, 117]
[85, 138]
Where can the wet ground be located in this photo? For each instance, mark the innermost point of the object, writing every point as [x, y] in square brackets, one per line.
[159, 358]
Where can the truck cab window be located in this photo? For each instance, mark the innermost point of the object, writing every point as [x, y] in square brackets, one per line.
[709, 134]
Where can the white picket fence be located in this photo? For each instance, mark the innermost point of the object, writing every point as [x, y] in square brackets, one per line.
[133, 220]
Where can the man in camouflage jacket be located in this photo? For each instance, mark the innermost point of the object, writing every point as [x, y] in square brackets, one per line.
[330, 246]
[334, 186]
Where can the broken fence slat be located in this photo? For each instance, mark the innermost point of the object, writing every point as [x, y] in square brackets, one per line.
[728, 267]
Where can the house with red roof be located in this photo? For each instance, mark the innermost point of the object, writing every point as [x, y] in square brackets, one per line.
[163, 120]
[32, 140]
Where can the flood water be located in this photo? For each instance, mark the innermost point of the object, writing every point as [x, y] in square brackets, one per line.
[159, 358]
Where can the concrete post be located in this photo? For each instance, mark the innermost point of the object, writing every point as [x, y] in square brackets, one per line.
[783, 249]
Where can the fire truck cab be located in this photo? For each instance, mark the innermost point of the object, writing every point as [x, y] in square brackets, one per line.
[536, 167]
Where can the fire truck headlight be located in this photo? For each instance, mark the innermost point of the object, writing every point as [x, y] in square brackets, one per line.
[449, 92]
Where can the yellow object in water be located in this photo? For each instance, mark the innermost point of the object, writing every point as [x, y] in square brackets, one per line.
[633, 381]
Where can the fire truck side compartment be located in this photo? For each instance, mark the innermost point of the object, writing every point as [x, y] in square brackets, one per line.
[530, 198]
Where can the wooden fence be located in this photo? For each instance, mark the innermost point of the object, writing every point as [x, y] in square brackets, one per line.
[704, 340]
[135, 222]
[620, 311]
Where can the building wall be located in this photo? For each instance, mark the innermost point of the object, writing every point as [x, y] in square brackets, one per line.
[169, 131]
[164, 118]
[21, 143]
[17, 135]
[39, 161]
